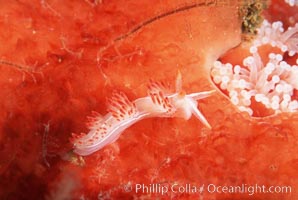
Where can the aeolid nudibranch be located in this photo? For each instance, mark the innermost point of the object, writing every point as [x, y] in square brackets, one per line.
[160, 102]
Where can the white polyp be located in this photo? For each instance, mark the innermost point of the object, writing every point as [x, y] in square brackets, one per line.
[250, 87]
[279, 88]
[286, 97]
[243, 92]
[265, 40]
[288, 88]
[267, 30]
[222, 71]
[272, 56]
[265, 101]
[217, 64]
[280, 24]
[229, 66]
[247, 95]
[276, 98]
[266, 23]
[242, 83]
[276, 25]
[214, 72]
[293, 105]
[253, 49]
[293, 80]
[295, 67]
[278, 57]
[275, 79]
[246, 102]
[248, 61]
[225, 79]
[292, 53]
[284, 105]
[235, 100]
[257, 43]
[242, 108]
[259, 97]
[275, 105]
[233, 93]
[252, 93]
[237, 69]
[284, 48]
[217, 79]
[269, 68]
[244, 72]
[223, 86]
[273, 43]
[283, 65]
[269, 86]
[250, 111]
[292, 2]
[246, 109]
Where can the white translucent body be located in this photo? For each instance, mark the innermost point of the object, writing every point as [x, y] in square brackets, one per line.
[182, 105]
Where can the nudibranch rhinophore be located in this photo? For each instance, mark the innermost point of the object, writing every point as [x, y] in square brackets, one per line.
[160, 102]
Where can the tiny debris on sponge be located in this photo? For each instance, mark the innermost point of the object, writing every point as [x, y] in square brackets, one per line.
[250, 13]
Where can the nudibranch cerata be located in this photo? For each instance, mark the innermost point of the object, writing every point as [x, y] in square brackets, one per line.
[160, 102]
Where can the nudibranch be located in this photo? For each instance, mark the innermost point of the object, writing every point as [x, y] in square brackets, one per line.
[122, 113]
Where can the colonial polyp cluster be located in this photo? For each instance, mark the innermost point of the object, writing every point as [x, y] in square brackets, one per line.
[273, 83]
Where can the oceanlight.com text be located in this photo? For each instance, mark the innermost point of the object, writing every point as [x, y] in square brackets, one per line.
[248, 189]
[163, 189]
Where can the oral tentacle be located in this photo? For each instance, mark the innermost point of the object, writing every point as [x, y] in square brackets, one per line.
[201, 95]
[198, 114]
